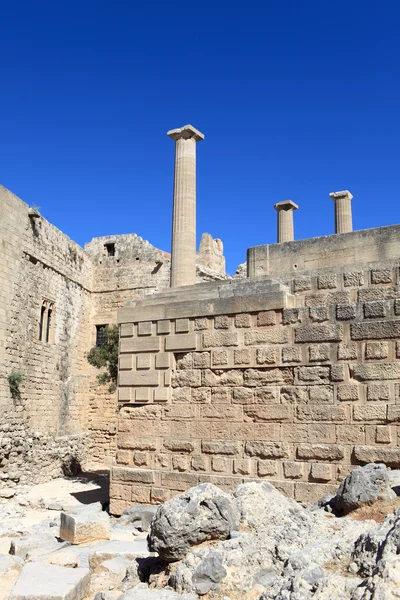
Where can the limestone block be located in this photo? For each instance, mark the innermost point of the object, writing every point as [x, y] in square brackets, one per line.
[219, 357]
[243, 320]
[126, 475]
[201, 324]
[163, 327]
[265, 431]
[319, 314]
[369, 413]
[186, 378]
[319, 352]
[141, 459]
[180, 463]
[320, 394]
[321, 432]
[309, 493]
[260, 412]
[258, 377]
[375, 331]
[201, 360]
[267, 356]
[163, 360]
[375, 310]
[178, 412]
[353, 278]
[302, 284]
[112, 549]
[291, 394]
[371, 294]
[222, 322]
[364, 372]
[124, 394]
[126, 330]
[179, 482]
[84, 525]
[379, 276]
[221, 395]
[130, 441]
[182, 326]
[266, 449]
[327, 299]
[199, 463]
[40, 581]
[376, 350]
[201, 395]
[162, 394]
[337, 373]
[313, 412]
[139, 378]
[293, 315]
[220, 465]
[242, 466]
[174, 445]
[322, 472]
[319, 333]
[347, 392]
[215, 339]
[221, 412]
[397, 307]
[378, 391]
[181, 342]
[242, 395]
[347, 352]
[383, 435]
[350, 434]
[143, 361]
[266, 395]
[327, 282]
[371, 454]
[320, 452]
[242, 356]
[266, 317]
[266, 468]
[271, 335]
[126, 361]
[145, 328]
[393, 413]
[145, 344]
[312, 375]
[224, 378]
[159, 495]
[345, 312]
[293, 470]
[291, 354]
[142, 394]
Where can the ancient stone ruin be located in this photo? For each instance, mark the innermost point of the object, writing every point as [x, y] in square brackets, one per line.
[260, 390]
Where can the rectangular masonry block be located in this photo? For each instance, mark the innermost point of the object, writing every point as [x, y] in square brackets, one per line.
[370, 454]
[220, 447]
[345, 312]
[270, 335]
[129, 441]
[181, 342]
[309, 493]
[347, 392]
[364, 372]
[145, 328]
[162, 394]
[375, 310]
[376, 350]
[138, 378]
[293, 470]
[257, 378]
[320, 452]
[163, 360]
[266, 449]
[379, 276]
[353, 278]
[243, 320]
[375, 331]
[179, 482]
[124, 394]
[163, 327]
[314, 375]
[215, 339]
[378, 391]
[312, 413]
[124, 474]
[276, 412]
[318, 314]
[126, 361]
[182, 326]
[319, 333]
[143, 361]
[266, 468]
[372, 412]
[126, 330]
[142, 395]
[221, 412]
[222, 322]
[146, 344]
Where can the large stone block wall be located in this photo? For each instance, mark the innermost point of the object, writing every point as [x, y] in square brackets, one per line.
[295, 384]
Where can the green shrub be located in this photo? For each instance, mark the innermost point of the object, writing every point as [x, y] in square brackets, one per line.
[106, 357]
[14, 379]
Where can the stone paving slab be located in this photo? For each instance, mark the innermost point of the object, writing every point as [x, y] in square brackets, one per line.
[49, 582]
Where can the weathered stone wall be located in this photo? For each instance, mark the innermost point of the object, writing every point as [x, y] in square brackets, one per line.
[293, 383]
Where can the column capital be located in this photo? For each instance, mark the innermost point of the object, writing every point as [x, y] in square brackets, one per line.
[186, 132]
[286, 205]
[341, 195]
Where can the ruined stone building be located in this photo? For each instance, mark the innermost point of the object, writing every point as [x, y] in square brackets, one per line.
[290, 373]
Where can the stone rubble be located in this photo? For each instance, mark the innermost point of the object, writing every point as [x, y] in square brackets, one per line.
[252, 544]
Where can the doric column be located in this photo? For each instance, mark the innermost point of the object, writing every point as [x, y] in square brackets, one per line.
[343, 217]
[183, 260]
[285, 220]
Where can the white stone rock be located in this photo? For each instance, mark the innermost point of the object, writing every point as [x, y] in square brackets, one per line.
[49, 582]
[84, 525]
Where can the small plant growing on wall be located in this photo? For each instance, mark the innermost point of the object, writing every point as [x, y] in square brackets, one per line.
[14, 380]
[105, 357]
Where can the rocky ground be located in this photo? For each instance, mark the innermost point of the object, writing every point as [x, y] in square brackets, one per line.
[57, 542]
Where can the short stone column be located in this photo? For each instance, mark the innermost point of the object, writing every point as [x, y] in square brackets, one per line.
[343, 216]
[285, 220]
[183, 260]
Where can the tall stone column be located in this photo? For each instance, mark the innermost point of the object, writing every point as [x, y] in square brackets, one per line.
[285, 220]
[183, 260]
[343, 216]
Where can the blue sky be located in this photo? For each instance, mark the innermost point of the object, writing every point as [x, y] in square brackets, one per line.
[296, 99]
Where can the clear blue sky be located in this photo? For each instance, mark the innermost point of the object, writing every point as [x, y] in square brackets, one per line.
[296, 99]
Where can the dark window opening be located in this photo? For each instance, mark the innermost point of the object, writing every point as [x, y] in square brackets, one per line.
[48, 325]
[100, 335]
[110, 249]
[42, 311]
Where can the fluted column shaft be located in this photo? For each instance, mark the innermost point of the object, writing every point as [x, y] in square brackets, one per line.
[183, 260]
[343, 214]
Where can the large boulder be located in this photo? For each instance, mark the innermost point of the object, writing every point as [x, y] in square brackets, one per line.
[362, 487]
[201, 513]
